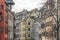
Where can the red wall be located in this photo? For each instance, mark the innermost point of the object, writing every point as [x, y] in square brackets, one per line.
[3, 24]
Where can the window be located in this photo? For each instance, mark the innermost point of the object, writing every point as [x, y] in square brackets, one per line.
[6, 18]
[32, 17]
[1, 6]
[28, 35]
[42, 25]
[28, 29]
[1, 16]
[1, 29]
[28, 23]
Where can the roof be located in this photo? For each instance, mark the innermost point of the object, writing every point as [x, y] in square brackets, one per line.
[10, 2]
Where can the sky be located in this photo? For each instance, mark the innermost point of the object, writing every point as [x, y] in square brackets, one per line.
[27, 4]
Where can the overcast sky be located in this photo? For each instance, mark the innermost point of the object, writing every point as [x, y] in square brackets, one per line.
[27, 4]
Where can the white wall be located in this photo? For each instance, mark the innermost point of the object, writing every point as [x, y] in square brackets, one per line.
[36, 31]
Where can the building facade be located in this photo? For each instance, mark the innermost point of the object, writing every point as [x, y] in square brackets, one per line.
[29, 29]
[37, 31]
[10, 25]
[18, 18]
[10, 18]
[36, 16]
[49, 21]
[4, 5]
[47, 15]
[22, 29]
[3, 21]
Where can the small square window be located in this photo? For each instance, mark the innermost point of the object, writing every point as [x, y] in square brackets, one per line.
[28, 23]
[28, 29]
[42, 25]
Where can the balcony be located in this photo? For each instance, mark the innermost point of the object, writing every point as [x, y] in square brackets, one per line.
[9, 2]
